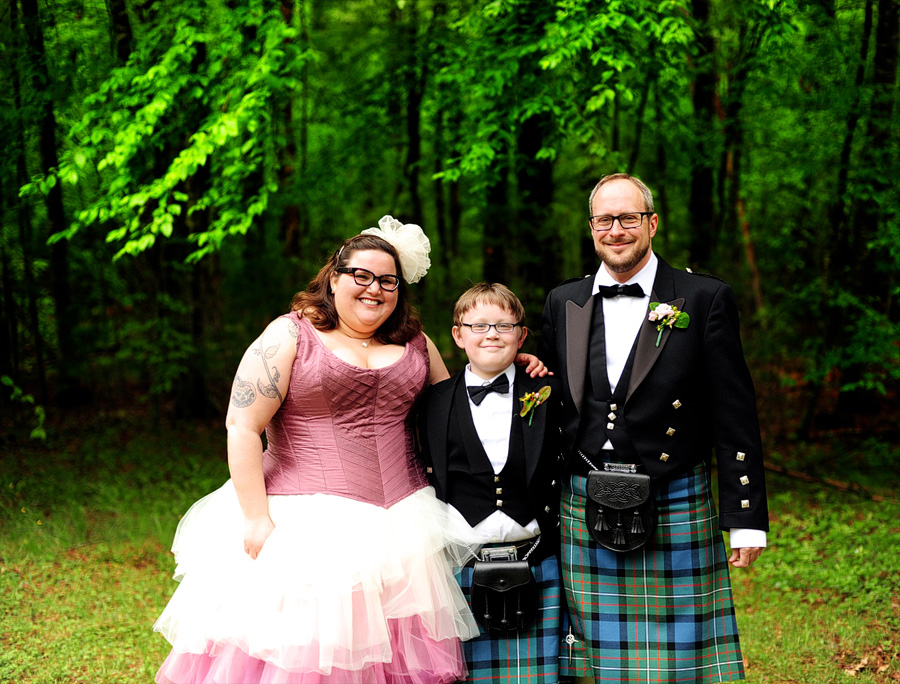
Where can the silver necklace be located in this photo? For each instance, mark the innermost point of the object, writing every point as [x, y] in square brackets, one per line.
[364, 341]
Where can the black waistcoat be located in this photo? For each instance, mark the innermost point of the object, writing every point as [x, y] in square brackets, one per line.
[472, 487]
[602, 411]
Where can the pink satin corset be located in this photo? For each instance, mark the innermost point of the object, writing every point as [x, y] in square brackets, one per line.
[346, 430]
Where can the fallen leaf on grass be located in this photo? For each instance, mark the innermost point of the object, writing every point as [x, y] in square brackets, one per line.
[854, 669]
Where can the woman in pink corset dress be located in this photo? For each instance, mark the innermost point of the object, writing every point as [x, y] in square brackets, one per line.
[324, 558]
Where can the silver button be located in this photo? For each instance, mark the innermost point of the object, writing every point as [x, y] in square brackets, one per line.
[610, 426]
[741, 455]
[552, 483]
[745, 503]
[745, 480]
[546, 509]
[664, 457]
[613, 407]
[611, 416]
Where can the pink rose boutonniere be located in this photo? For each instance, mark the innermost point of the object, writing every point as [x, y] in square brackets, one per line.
[668, 316]
[532, 400]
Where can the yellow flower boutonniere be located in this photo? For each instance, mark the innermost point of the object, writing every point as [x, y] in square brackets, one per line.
[532, 400]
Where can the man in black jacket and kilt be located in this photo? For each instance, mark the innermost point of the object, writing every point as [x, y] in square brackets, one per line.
[654, 380]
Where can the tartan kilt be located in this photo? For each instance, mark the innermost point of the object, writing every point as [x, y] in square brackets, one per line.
[528, 658]
[662, 613]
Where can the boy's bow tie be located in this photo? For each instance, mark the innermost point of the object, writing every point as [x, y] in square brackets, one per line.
[477, 393]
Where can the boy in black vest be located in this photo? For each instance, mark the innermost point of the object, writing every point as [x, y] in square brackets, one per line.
[490, 442]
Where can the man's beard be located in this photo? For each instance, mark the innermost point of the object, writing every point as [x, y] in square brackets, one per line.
[624, 266]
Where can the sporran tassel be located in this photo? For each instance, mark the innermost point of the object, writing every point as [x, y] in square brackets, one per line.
[619, 536]
[637, 525]
[601, 525]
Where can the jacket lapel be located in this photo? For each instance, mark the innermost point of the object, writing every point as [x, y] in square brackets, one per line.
[475, 453]
[578, 331]
[647, 352]
[438, 412]
[533, 435]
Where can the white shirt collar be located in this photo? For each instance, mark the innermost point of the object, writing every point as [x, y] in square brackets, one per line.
[645, 277]
[471, 379]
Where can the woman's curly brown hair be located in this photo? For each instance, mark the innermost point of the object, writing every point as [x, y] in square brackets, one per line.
[316, 302]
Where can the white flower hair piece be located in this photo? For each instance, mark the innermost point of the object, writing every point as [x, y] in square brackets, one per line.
[411, 243]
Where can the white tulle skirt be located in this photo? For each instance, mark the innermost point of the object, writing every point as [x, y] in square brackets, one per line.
[342, 591]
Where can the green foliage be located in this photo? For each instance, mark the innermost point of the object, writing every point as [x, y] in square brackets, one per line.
[16, 395]
[185, 127]
[262, 140]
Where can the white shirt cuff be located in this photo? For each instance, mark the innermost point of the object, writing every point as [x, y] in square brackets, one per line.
[742, 538]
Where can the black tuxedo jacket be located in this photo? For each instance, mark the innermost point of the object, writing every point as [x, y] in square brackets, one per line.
[691, 394]
[543, 458]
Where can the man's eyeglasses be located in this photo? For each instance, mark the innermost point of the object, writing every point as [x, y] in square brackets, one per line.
[361, 276]
[502, 328]
[630, 220]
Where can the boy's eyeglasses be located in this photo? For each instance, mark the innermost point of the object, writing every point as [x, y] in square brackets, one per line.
[481, 328]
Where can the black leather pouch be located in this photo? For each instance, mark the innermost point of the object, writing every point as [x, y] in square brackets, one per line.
[504, 595]
[621, 510]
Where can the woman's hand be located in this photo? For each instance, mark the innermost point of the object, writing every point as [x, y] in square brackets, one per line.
[533, 365]
[256, 532]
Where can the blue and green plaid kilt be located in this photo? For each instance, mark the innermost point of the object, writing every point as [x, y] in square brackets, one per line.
[528, 658]
[663, 613]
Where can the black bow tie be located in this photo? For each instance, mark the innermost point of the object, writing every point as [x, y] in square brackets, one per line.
[477, 393]
[633, 290]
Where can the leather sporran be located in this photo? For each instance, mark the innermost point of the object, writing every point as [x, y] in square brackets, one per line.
[504, 595]
[621, 510]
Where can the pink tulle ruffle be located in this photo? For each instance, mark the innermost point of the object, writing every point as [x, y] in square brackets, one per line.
[419, 660]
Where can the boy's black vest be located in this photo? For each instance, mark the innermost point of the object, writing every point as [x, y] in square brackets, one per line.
[472, 487]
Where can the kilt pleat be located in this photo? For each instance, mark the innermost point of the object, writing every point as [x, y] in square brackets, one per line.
[663, 613]
[528, 658]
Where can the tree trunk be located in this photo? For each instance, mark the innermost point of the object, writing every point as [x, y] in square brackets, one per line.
[415, 89]
[497, 232]
[120, 27]
[701, 203]
[880, 152]
[290, 216]
[540, 267]
[839, 257]
[68, 390]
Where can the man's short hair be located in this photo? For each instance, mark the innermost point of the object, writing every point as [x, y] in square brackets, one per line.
[645, 191]
[488, 293]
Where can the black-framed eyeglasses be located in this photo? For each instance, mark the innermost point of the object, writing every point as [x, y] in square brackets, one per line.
[502, 328]
[361, 276]
[632, 219]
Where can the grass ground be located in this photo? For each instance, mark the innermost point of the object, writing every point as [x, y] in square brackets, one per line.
[86, 520]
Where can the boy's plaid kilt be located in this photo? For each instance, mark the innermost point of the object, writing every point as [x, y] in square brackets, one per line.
[663, 613]
[528, 658]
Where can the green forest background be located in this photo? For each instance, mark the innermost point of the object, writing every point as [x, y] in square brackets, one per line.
[172, 171]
